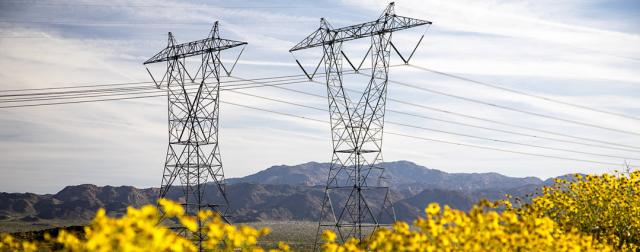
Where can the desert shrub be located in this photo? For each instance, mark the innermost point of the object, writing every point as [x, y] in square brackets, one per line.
[587, 213]
[141, 230]
[480, 229]
[8, 243]
[605, 206]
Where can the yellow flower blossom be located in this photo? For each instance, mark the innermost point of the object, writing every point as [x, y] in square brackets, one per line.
[588, 213]
[605, 206]
[171, 209]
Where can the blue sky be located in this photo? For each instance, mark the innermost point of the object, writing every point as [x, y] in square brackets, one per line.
[584, 52]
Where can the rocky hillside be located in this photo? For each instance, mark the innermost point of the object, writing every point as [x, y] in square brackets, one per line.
[277, 193]
[73, 202]
[402, 175]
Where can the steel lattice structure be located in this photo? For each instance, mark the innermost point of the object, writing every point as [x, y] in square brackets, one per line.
[193, 161]
[356, 197]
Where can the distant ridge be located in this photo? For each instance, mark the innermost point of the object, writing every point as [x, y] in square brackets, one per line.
[277, 193]
[402, 174]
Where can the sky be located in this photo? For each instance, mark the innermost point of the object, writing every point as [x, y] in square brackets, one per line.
[583, 52]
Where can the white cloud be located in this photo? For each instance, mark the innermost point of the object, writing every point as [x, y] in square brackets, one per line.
[543, 47]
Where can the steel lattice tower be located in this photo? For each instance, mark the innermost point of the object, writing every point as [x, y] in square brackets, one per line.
[193, 161]
[356, 198]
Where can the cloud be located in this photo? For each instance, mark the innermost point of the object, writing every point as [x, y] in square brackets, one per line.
[546, 48]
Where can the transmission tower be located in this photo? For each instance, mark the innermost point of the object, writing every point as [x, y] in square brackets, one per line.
[356, 199]
[193, 163]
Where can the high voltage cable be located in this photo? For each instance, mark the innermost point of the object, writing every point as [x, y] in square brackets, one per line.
[436, 140]
[155, 90]
[150, 82]
[278, 100]
[291, 76]
[147, 24]
[130, 83]
[128, 98]
[448, 132]
[76, 86]
[486, 84]
[513, 109]
[503, 150]
[111, 90]
[137, 91]
[509, 132]
[441, 131]
[200, 6]
[466, 124]
[614, 145]
[400, 124]
[513, 125]
[122, 88]
[81, 96]
[399, 83]
[73, 102]
[509, 142]
[274, 112]
[75, 92]
[306, 93]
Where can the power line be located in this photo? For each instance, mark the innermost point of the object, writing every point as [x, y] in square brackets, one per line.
[171, 6]
[613, 145]
[436, 140]
[503, 150]
[470, 125]
[441, 131]
[509, 142]
[76, 86]
[478, 126]
[110, 92]
[278, 100]
[73, 102]
[271, 84]
[68, 86]
[524, 93]
[155, 90]
[146, 25]
[509, 131]
[144, 83]
[321, 109]
[75, 92]
[128, 98]
[467, 124]
[72, 97]
[146, 86]
[274, 112]
[514, 125]
[513, 109]
[448, 132]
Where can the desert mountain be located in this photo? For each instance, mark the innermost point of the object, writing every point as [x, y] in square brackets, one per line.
[277, 193]
[402, 175]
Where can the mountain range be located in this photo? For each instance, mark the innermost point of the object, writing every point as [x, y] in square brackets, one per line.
[278, 193]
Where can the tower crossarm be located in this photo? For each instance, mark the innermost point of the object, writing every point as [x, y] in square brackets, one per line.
[193, 48]
[384, 24]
